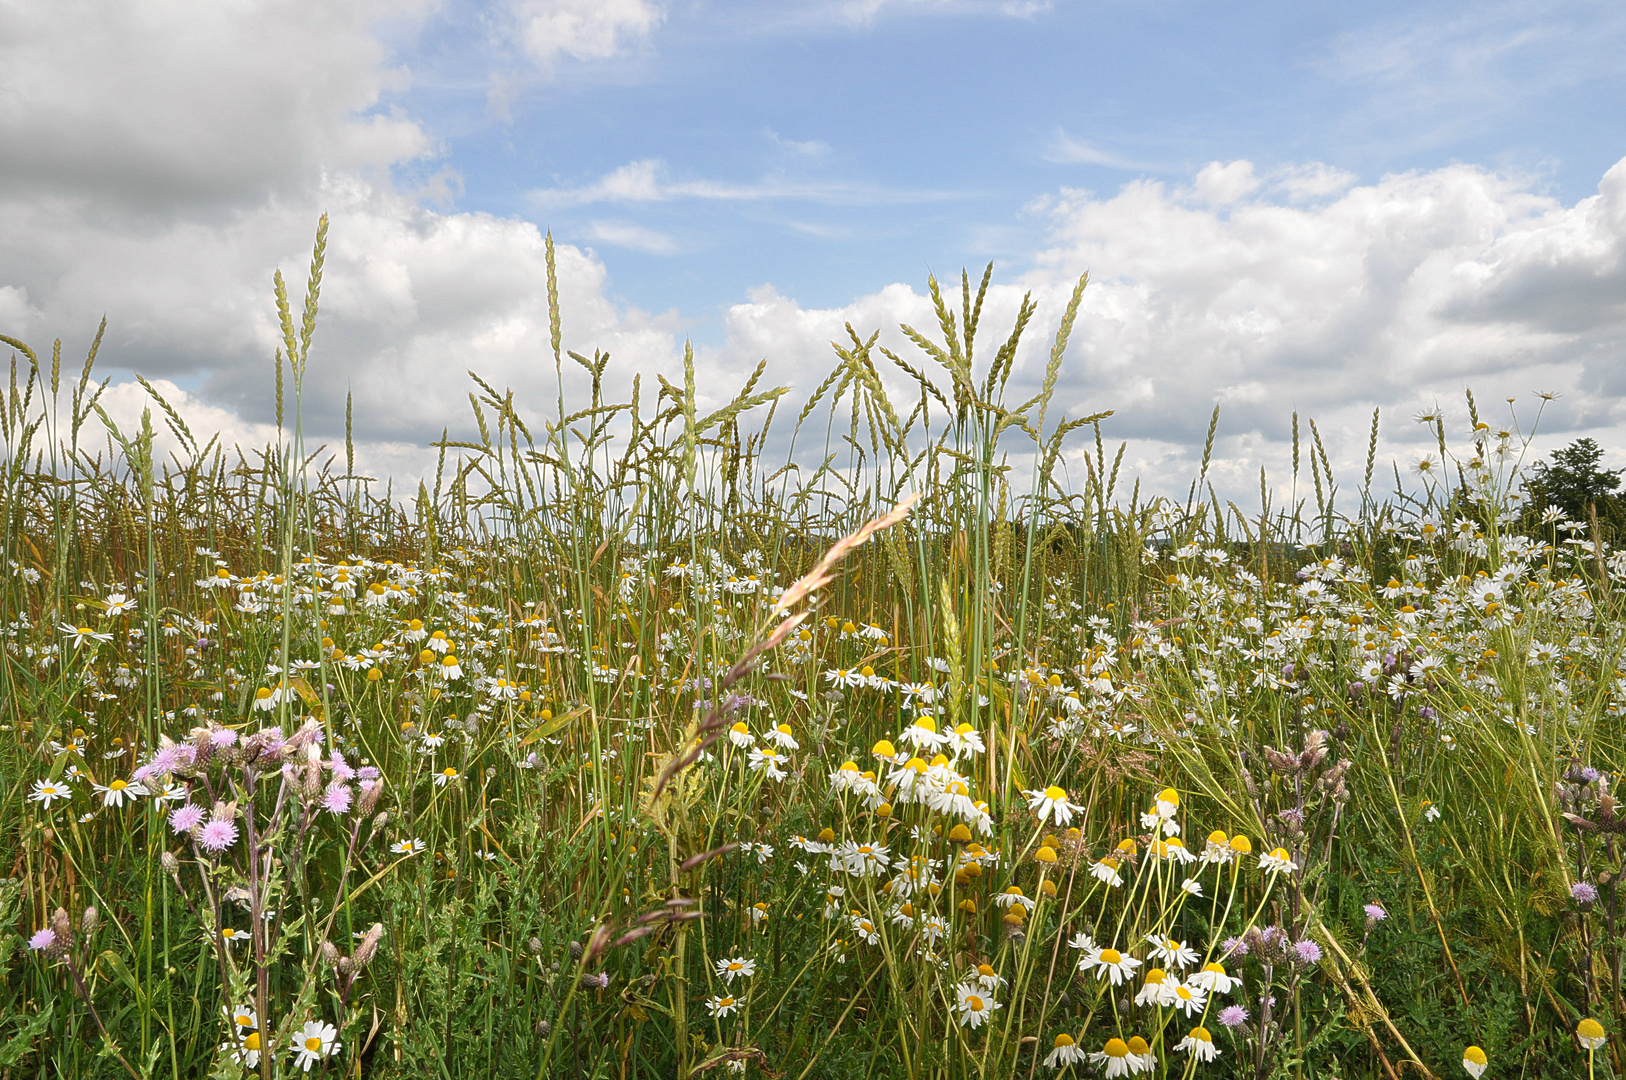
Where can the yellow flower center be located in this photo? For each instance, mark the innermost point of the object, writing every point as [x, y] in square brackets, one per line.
[1116, 1048]
[251, 1041]
[1111, 956]
[974, 1003]
[1055, 793]
[313, 1044]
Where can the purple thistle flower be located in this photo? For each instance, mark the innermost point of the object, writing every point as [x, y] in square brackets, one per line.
[42, 939]
[217, 836]
[1307, 951]
[340, 767]
[1375, 912]
[1589, 775]
[368, 772]
[1584, 892]
[1234, 946]
[221, 738]
[183, 819]
[336, 799]
[1233, 1016]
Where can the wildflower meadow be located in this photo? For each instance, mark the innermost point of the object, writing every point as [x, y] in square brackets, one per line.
[855, 736]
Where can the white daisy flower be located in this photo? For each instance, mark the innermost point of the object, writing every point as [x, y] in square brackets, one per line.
[736, 967]
[1109, 963]
[1051, 805]
[313, 1042]
[976, 1005]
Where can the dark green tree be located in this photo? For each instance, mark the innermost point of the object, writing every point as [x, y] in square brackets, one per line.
[1572, 481]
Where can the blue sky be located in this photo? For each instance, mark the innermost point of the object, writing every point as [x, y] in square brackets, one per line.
[863, 150]
[1318, 208]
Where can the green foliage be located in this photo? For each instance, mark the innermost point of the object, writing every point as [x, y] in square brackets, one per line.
[1574, 482]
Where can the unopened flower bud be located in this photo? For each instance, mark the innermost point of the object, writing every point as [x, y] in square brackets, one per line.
[534, 945]
[310, 781]
[330, 953]
[90, 920]
[367, 800]
[169, 863]
[575, 950]
[380, 821]
[60, 926]
[369, 946]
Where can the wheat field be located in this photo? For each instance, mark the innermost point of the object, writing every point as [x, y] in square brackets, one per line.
[852, 737]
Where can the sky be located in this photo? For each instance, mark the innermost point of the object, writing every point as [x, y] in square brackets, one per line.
[1313, 207]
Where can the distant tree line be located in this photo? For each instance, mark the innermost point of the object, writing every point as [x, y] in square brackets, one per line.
[1574, 483]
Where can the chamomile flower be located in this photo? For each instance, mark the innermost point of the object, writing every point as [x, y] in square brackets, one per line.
[313, 1042]
[49, 791]
[1199, 1044]
[118, 791]
[1141, 1058]
[80, 635]
[766, 759]
[1157, 990]
[740, 735]
[1173, 849]
[1051, 805]
[1106, 872]
[1115, 1056]
[1108, 963]
[406, 847]
[964, 739]
[1187, 998]
[976, 1005]
[988, 978]
[923, 734]
[1278, 862]
[1174, 953]
[1212, 978]
[446, 776]
[1591, 1034]
[1474, 1062]
[722, 1005]
[737, 967]
[1065, 1051]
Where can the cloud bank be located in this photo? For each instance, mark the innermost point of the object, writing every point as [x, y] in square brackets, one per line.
[159, 175]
